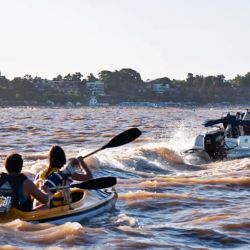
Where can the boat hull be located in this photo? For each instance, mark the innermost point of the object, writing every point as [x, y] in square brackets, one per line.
[91, 204]
[235, 148]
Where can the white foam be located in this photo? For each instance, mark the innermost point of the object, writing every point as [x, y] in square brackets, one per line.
[125, 220]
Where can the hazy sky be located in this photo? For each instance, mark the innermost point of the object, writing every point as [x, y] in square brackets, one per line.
[157, 38]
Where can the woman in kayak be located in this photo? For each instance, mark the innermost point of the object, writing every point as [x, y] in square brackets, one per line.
[57, 159]
[19, 186]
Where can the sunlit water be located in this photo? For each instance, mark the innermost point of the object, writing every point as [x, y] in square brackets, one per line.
[163, 202]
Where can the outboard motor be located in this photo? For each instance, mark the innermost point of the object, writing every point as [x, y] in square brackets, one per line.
[214, 145]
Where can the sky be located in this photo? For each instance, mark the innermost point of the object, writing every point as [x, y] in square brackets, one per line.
[157, 38]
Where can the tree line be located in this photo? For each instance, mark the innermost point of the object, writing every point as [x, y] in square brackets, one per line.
[126, 85]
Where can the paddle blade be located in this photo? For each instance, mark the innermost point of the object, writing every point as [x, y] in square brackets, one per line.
[209, 123]
[123, 138]
[98, 183]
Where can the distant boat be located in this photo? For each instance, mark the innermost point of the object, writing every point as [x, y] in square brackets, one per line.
[93, 102]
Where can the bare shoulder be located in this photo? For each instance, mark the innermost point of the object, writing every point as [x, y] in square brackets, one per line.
[29, 184]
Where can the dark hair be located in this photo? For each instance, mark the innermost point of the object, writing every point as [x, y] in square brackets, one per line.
[14, 163]
[57, 157]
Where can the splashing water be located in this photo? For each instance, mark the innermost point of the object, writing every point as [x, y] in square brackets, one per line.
[163, 202]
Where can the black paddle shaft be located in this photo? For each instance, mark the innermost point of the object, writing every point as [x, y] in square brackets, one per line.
[98, 183]
[119, 140]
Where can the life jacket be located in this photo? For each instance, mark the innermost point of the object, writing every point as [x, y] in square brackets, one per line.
[57, 179]
[51, 179]
[13, 184]
[44, 173]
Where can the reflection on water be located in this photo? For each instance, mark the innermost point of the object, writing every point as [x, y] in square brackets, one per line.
[163, 203]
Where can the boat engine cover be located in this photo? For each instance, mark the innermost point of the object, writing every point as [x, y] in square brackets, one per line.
[214, 144]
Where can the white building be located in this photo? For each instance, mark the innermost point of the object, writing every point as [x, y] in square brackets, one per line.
[93, 101]
[160, 88]
[64, 86]
[96, 88]
[1, 76]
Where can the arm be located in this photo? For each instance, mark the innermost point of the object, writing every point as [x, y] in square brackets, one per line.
[82, 177]
[31, 189]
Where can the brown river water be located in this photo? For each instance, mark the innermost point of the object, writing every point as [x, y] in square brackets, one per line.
[163, 202]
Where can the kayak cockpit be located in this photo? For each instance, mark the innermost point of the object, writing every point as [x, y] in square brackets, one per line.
[84, 205]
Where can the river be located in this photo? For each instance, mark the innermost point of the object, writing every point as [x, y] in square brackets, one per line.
[163, 202]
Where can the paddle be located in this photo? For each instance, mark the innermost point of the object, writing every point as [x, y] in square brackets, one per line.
[209, 123]
[98, 183]
[105, 182]
[121, 139]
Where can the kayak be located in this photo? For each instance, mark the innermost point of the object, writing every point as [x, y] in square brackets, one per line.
[89, 198]
[85, 205]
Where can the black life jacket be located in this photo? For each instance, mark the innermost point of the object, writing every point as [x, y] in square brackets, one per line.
[57, 179]
[14, 185]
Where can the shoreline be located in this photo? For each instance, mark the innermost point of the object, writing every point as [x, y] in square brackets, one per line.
[132, 105]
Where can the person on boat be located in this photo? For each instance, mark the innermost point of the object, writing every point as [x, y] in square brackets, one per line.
[57, 159]
[19, 186]
[231, 125]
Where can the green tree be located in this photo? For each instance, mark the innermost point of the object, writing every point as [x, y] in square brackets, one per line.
[125, 81]
[28, 78]
[68, 77]
[190, 79]
[130, 75]
[76, 77]
[58, 78]
[245, 83]
[91, 78]
[236, 82]
[106, 76]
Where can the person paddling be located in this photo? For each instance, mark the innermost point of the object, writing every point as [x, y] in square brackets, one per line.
[19, 186]
[57, 159]
[52, 176]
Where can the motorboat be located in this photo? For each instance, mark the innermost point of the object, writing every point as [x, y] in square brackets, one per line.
[229, 141]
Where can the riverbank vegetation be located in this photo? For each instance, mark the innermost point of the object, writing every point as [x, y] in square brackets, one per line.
[124, 85]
